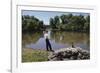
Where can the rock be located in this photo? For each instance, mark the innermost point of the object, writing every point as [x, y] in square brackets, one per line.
[69, 54]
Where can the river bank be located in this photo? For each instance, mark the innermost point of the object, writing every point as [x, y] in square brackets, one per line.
[34, 55]
[63, 54]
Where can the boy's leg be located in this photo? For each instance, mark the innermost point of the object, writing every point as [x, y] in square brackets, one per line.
[47, 46]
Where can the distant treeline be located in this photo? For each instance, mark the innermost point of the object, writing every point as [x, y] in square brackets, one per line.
[64, 22]
[71, 22]
[31, 23]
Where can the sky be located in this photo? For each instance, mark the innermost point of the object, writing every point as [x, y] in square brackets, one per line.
[46, 15]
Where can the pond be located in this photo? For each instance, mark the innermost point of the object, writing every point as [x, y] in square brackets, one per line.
[59, 39]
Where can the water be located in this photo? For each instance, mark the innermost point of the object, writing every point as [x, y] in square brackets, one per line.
[59, 39]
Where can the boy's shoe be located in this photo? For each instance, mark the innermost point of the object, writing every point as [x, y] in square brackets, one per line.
[52, 50]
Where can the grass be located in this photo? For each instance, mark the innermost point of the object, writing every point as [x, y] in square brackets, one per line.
[31, 55]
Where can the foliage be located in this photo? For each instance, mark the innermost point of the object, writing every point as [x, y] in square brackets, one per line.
[31, 23]
[67, 22]
[71, 22]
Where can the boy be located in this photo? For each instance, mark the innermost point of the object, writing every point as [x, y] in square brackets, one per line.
[48, 44]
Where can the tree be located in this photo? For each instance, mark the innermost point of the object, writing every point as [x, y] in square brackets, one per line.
[41, 25]
[56, 21]
[52, 23]
[64, 19]
[31, 23]
[87, 24]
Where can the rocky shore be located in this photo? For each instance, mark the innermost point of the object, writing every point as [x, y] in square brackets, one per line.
[69, 54]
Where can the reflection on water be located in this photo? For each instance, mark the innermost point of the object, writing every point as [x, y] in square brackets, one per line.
[58, 40]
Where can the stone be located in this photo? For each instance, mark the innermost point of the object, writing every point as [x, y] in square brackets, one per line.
[69, 54]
